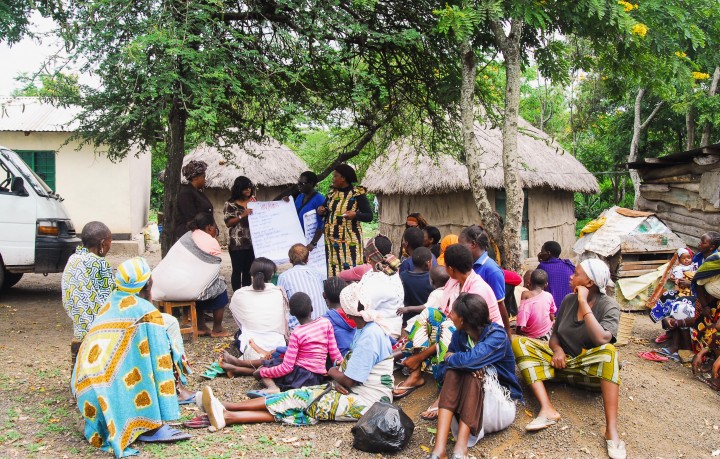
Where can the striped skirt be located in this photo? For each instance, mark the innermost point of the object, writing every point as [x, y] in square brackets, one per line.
[534, 359]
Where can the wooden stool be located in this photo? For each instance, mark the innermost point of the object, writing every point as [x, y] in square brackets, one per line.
[187, 308]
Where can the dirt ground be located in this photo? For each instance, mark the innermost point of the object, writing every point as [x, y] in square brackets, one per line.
[665, 412]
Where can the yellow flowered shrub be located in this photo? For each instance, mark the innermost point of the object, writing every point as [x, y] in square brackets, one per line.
[700, 75]
[640, 30]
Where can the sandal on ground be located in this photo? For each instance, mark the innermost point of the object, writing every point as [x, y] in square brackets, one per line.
[261, 393]
[653, 356]
[164, 434]
[222, 334]
[213, 408]
[664, 351]
[199, 401]
[714, 383]
[212, 371]
[662, 338]
[407, 391]
[616, 450]
[198, 422]
[675, 357]
[188, 400]
[432, 414]
[540, 423]
[432, 456]
[459, 456]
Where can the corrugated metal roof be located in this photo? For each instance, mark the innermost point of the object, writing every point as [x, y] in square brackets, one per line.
[30, 114]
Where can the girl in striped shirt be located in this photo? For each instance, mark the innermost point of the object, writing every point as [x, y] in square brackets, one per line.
[304, 362]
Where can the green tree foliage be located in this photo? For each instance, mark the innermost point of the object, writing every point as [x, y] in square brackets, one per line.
[15, 17]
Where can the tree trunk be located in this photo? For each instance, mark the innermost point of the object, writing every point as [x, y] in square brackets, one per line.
[510, 47]
[175, 150]
[638, 127]
[705, 140]
[690, 128]
[473, 154]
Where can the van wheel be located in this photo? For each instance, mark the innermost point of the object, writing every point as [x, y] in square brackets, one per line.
[11, 279]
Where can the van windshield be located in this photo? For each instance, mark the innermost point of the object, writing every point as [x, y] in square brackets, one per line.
[28, 174]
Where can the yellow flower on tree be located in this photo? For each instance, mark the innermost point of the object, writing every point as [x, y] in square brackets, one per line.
[627, 6]
[640, 30]
[680, 54]
[700, 75]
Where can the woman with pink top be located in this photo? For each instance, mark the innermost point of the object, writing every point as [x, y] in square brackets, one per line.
[537, 308]
[305, 357]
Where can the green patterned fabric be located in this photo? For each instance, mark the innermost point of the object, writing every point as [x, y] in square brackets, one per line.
[308, 405]
[431, 327]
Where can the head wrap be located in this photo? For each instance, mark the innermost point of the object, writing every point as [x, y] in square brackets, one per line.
[349, 300]
[388, 264]
[348, 172]
[193, 168]
[598, 272]
[684, 251]
[446, 242]
[132, 275]
[382, 295]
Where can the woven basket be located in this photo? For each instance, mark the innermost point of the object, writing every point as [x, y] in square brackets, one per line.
[625, 329]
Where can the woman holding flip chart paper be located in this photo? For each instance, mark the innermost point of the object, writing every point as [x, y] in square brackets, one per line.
[345, 207]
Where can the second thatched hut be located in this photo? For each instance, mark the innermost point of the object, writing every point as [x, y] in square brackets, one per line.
[406, 181]
[270, 165]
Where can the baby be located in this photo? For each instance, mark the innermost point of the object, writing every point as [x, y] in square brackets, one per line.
[683, 271]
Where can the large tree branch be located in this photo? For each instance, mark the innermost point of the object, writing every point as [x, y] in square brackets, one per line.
[644, 125]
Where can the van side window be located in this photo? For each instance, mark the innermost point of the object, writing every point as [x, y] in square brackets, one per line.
[6, 178]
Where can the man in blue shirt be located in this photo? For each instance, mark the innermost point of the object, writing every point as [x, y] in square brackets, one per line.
[476, 239]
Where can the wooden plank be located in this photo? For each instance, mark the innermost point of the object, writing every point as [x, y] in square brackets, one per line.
[684, 198]
[689, 239]
[710, 187]
[706, 160]
[662, 188]
[651, 243]
[634, 272]
[641, 265]
[679, 223]
[711, 218]
[694, 187]
[685, 178]
[672, 171]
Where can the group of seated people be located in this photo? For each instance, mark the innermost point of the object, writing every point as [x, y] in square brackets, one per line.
[328, 352]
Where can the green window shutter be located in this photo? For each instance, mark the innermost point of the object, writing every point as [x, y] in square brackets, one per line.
[42, 162]
[501, 206]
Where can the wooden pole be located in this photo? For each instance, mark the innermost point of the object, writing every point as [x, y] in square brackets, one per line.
[658, 290]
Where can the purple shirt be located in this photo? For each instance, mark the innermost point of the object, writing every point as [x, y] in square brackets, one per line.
[559, 271]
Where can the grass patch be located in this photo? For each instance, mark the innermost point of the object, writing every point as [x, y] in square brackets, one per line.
[9, 436]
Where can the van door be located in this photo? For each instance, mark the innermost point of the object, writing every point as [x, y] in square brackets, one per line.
[18, 216]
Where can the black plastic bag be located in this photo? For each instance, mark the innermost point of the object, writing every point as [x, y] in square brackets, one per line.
[384, 428]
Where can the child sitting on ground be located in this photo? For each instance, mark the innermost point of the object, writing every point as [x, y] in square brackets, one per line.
[416, 284]
[537, 308]
[343, 326]
[304, 361]
[438, 279]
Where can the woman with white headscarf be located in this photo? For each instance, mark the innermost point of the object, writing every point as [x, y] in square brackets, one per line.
[363, 378]
[579, 352]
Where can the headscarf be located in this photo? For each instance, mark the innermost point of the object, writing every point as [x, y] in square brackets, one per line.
[132, 275]
[348, 172]
[598, 272]
[380, 296]
[193, 169]
[446, 242]
[388, 264]
[684, 251]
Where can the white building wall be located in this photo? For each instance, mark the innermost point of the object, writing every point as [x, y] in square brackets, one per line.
[94, 188]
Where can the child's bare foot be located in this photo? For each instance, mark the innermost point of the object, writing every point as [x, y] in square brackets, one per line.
[227, 367]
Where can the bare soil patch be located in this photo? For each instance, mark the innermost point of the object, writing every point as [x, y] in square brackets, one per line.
[665, 412]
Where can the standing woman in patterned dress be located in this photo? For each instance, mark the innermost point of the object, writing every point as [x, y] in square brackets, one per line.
[236, 213]
[345, 207]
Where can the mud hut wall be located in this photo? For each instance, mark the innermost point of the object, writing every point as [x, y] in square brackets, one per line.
[551, 216]
[218, 196]
[686, 197]
[449, 212]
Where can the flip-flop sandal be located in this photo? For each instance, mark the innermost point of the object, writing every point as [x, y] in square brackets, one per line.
[212, 371]
[664, 351]
[674, 357]
[653, 356]
[432, 414]
[408, 390]
[187, 401]
[213, 408]
[165, 434]
[540, 423]
[259, 393]
[616, 450]
[662, 338]
[198, 422]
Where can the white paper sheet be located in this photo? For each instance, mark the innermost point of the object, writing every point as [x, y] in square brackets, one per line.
[317, 256]
[275, 227]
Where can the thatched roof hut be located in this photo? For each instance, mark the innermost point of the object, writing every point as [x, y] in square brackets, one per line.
[270, 165]
[406, 181]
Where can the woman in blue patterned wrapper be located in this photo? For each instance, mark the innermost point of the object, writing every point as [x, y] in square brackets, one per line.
[128, 369]
[345, 207]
